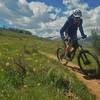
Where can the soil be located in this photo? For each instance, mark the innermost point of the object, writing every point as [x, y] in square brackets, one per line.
[92, 84]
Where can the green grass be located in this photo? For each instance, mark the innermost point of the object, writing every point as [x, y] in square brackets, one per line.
[25, 74]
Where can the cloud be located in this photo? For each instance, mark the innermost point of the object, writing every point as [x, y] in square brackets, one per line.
[12, 11]
[91, 17]
[26, 15]
[72, 4]
[23, 2]
[50, 28]
[45, 20]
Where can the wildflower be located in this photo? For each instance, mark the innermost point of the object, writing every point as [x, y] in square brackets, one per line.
[40, 65]
[25, 86]
[16, 50]
[27, 73]
[17, 54]
[29, 58]
[34, 69]
[7, 64]
[6, 49]
[38, 84]
[2, 69]
[36, 60]
[2, 91]
[48, 61]
[9, 58]
[58, 90]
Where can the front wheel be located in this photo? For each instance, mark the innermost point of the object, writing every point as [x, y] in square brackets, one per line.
[89, 63]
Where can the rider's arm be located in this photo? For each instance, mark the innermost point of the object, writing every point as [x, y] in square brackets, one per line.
[81, 28]
[64, 28]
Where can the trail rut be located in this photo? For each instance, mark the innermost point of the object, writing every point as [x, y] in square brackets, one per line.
[92, 84]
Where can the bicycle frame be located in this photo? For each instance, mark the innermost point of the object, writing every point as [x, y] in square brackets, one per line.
[86, 61]
[79, 48]
[83, 58]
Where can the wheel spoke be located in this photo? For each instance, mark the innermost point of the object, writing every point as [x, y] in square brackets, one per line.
[88, 63]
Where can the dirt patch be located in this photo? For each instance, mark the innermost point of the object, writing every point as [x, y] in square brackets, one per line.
[92, 84]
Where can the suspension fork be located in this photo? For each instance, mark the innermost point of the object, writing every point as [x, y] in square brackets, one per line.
[83, 56]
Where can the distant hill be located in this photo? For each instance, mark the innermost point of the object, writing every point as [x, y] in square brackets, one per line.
[16, 30]
[89, 39]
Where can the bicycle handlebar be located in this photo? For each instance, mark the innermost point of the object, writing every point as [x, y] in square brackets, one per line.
[75, 39]
[79, 38]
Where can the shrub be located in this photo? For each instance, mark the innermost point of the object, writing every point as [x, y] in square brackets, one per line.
[96, 40]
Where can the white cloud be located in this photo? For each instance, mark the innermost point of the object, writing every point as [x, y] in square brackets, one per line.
[12, 11]
[91, 17]
[72, 4]
[1, 5]
[23, 2]
[9, 22]
[52, 28]
[38, 8]
[44, 20]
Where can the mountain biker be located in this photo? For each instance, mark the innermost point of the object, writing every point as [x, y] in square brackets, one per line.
[69, 32]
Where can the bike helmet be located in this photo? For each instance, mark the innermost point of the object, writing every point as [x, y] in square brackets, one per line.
[77, 13]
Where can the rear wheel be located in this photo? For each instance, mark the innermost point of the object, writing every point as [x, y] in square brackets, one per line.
[89, 63]
[61, 54]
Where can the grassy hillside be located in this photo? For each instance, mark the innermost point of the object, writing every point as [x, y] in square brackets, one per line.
[26, 74]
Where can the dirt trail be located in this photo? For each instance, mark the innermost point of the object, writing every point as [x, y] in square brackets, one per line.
[92, 84]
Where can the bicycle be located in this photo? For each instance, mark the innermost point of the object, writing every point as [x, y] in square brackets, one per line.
[87, 61]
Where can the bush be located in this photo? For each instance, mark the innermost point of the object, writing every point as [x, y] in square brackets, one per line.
[96, 41]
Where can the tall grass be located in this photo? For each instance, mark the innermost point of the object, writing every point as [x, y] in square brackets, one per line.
[25, 74]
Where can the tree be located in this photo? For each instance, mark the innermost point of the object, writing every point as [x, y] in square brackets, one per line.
[96, 40]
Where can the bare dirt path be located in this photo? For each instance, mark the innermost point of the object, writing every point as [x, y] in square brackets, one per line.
[92, 84]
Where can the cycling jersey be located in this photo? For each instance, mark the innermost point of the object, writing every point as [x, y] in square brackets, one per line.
[71, 28]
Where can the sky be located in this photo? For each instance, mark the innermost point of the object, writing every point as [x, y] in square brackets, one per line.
[58, 3]
[46, 17]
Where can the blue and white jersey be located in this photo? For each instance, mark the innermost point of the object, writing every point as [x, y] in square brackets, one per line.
[71, 28]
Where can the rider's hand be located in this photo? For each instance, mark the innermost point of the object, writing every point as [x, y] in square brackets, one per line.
[84, 36]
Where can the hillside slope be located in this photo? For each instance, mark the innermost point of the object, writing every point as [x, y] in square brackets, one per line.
[26, 74]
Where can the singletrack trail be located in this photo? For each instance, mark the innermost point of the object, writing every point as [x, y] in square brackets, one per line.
[92, 84]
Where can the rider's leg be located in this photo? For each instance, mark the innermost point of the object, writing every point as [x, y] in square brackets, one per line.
[74, 46]
[68, 48]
